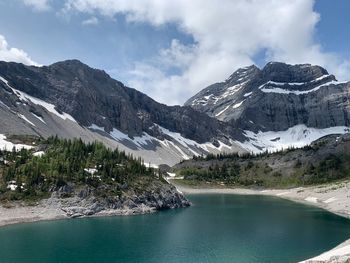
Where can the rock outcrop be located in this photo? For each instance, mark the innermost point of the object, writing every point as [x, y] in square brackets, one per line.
[79, 201]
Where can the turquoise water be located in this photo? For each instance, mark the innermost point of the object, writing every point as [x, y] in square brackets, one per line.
[217, 228]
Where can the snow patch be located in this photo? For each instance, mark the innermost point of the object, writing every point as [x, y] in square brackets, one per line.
[297, 136]
[96, 127]
[12, 185]
[232, 90]
[214, 99]
[166, 143]
[8, 146]
[39, 154]
[188, 142]
[296, 92]
[3, 104]
[171, 174]
[183, 146]
[151, 165]
[237, 105]
[48, 106]
[140, 141]
[221, 112]
[144, 140]
[25, 118]
[118, 135]
[39, 118]
[91, 171]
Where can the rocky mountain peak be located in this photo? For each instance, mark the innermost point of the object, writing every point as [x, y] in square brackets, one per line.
[243, 74]
[276, 97]
[69, 62]
[73, 69]
[285, 73]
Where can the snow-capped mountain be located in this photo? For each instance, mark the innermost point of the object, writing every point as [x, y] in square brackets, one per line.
[252, 111]
[70, 99]
[280, 105]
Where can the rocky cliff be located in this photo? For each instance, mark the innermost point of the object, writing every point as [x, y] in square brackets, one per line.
[78, 201]
[276, 98]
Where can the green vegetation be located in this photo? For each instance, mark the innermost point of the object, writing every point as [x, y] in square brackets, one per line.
[67, 161]
[310, 165]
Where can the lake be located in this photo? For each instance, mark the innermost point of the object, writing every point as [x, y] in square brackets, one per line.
[217, 228]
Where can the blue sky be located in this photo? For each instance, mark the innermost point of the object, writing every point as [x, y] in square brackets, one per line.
[172, 49]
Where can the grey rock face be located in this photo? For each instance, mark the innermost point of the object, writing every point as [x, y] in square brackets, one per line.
[92, 97]
[276, 98]
[70, 99]
[84, 201]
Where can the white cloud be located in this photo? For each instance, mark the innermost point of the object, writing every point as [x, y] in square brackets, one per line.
[92, 21]
[14, 54]
[38, 5]
[146, 78]
[227, 34]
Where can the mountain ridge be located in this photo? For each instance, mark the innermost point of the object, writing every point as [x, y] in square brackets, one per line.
[97, 105]
[254, 110]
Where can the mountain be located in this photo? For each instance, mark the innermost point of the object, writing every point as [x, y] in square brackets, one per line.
[71, 99]
[278, 106]
[254, 110]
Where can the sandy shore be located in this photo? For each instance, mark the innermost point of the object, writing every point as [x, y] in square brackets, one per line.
[334, 197]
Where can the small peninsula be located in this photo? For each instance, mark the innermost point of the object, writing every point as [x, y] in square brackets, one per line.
[59, 178]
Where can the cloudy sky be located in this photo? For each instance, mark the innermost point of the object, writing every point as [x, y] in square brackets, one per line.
[171, 49]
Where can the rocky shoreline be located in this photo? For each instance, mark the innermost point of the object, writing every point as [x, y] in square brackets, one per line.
[70, 202]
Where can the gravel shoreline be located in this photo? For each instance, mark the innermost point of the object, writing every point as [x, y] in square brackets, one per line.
[48, 210]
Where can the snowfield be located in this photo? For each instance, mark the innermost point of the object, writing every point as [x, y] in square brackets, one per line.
[297, 136]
